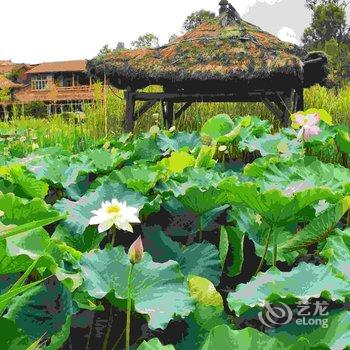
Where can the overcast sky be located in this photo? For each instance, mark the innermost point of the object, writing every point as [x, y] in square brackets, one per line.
[51, 30]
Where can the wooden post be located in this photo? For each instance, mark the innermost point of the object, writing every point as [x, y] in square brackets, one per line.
[168, 113]
[300, 99]
[130, 109]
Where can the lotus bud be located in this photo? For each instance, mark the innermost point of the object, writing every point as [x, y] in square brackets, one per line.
[172, 129]
[222, 148]
[154, 130]
[136, 251]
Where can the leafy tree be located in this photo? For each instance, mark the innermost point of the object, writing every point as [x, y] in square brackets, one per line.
[197, 18]
[172, 38]
[339, 57]
[5, 97]
[311, 4]
[104, 51]
[148, 40]
[328, 22]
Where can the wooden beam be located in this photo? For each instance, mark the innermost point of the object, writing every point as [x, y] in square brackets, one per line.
[254, 96]
[182, 109]
[145, 107]
[168, 113]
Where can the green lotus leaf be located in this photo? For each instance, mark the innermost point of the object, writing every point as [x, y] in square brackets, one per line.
[302, 283]
[140, 178]
[11, 337]
[101, 160]
[197, 259]
[61, 172]
[308, 171]
[223, 337]
[80, 211]
[199, 323]
[205, 158]
[319, 228]
[21, 182]
[152, 284]
[337, 252]
[146, 149]
[275, 207]
[18, 211]
[221, 129]
[177, 162]
[277, 144]
[18, 252]
[154, 344]
[202, 201]
[343, 140]
[184, 222]
[315, 336]
[181, 141]
[252, 128]
[191, 177]
[233, 240]
[43, 310]
[58, 339]
[257, 230]
[204, 292]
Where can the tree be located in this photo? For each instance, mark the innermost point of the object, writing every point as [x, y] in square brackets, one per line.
[172, 38]
[311, 4]
[146, 41]
[104, 51]
[5, 97]
[328, 22]
[197, 18]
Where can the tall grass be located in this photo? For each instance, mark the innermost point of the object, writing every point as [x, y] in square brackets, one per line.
[78, 132]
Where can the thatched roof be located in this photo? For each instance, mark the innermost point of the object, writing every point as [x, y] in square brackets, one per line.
[217, 53]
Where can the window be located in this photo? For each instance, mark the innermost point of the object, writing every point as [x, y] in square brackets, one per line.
[39, 82]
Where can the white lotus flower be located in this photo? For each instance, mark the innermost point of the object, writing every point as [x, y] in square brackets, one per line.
[115, 213]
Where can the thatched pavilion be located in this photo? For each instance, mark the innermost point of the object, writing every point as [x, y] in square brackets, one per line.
[223, 60]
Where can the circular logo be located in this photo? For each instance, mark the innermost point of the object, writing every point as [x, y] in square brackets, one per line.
[278, 315]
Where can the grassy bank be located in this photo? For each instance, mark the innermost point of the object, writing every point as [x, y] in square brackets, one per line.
[76, 133]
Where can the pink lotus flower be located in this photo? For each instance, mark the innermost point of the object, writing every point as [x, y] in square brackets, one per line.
[136, 251]
[308, 125]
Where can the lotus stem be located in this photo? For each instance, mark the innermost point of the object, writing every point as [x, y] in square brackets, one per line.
[109, 329]
[274, 248]
[114, 234]
[265, 250]
[200, 236]
[348, 219]
[118, 340]
[128, 311]
[87, 346]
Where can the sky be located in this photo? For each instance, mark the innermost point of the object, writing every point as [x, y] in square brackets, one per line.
[54, 30]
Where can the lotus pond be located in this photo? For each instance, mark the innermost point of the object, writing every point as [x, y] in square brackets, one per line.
[234, 237]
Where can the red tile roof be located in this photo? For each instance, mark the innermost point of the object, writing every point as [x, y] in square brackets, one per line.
[65, 66]
[7, 83]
